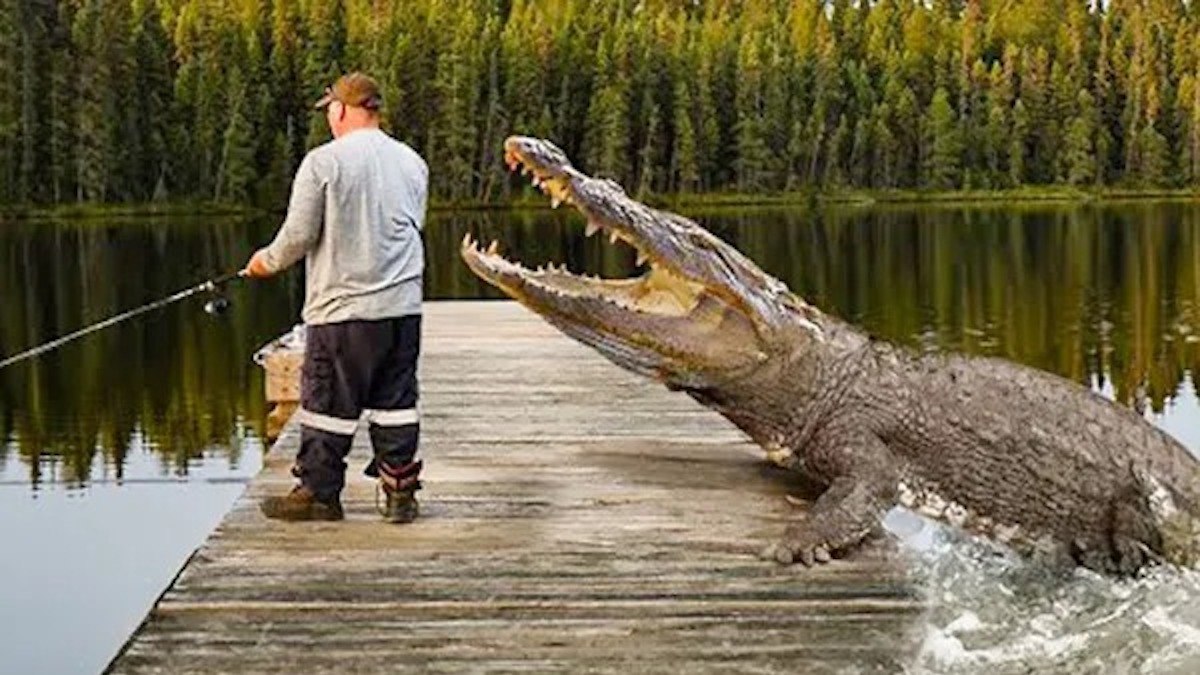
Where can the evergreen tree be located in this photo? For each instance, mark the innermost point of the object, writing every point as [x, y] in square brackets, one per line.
[524, 92]
[10, 95]
[1017, 152]
[708, 132]
[236, 173]
[62, 112]
[839, 147]
[883, 150]
[753, 155]
[1107, 107]
[284, 85]
[606, 150]
[96, 108]
[685, 168]
[796, 160]
[860, 148]
[35, 21]
[942, 161]
[993, 145]
[1153, 157]
[453, 134]
[149, 107]
[182, 163]
[1035, 94]
[1190, 159]
[490, 168]
[905, 125]
[648, 155]
[1079, 156]
[277, 183]
[326, 40]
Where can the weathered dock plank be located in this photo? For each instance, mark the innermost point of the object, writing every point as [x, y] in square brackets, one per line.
[576, 518]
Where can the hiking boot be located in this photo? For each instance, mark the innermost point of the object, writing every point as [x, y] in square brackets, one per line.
[301, 504]
[399, 485]
[401, 506]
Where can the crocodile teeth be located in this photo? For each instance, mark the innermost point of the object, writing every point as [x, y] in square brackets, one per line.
[537, 182]
[555, 200]
[493, 248]
[592, 228]
[612, 237]
[641, 257]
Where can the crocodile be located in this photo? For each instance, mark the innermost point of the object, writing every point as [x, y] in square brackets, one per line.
[1024, 457]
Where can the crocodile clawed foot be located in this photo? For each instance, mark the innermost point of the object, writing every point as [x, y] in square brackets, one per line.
[791, 550]
[1132, 555]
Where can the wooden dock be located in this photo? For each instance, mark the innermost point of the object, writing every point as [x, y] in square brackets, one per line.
[575, 518]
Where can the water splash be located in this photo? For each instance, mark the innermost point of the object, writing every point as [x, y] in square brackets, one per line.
[991, 612]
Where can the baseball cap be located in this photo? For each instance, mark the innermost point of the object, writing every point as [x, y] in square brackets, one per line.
[353, 89]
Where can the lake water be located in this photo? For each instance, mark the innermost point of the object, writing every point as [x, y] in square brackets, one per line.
[120, 452]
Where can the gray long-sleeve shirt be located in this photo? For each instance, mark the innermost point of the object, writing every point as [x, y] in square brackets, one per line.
[356, 211]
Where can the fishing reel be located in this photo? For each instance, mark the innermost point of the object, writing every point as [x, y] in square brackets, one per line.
[217, 304]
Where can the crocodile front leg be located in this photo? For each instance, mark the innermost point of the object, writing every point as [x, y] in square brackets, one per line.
[863, 476]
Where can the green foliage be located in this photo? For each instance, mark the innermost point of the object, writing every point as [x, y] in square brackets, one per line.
[606, 145]
[1017, 142]
[1153, 161]
[456, 85]
[10, 95]
[236, 173]
[685, 172]
[1080, 153]
[126, 100]
[944, 146]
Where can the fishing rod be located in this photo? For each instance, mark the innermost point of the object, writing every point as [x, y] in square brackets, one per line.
[214, 306]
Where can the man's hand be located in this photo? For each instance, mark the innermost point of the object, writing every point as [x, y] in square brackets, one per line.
[256, 267]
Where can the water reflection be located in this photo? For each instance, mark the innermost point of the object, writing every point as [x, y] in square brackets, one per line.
[174, 383]
[1104, 295]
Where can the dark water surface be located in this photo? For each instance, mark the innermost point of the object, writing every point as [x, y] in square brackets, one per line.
[120, 452]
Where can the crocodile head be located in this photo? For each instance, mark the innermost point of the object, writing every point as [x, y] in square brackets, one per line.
[700, 314]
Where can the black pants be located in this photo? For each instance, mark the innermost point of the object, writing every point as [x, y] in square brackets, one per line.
[355, 369]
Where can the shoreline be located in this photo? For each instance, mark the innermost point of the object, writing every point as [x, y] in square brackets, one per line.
[857, 198]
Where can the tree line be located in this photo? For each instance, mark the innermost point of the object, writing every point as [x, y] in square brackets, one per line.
[141, 100]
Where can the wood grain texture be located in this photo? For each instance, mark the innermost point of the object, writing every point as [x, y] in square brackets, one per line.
[575, 518]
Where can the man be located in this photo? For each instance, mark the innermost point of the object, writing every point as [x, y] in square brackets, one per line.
[356, 213]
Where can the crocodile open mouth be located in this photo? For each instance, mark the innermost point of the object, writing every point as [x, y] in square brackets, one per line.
[660, 290]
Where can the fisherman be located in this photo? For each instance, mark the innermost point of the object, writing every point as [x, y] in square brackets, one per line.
[356, 214]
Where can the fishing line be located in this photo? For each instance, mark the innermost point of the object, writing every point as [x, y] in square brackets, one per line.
[209, 286]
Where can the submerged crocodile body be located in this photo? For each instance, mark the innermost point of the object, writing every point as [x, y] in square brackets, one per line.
[1022, 456]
